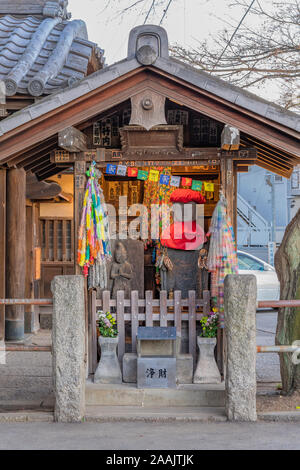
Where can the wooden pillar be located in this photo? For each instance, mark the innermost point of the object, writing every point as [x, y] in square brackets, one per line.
[79, 190]
[2, 249]
[15, 252]
[228, 183]
[31, 311]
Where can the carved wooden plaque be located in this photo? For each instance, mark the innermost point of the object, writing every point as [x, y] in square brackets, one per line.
[160, 141]
[148, 109]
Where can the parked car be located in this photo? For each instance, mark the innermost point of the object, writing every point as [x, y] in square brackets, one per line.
[268, 287]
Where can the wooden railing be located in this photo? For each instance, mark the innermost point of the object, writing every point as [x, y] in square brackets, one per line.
[144, 312]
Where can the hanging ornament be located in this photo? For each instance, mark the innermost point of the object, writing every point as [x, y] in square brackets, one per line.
[93, 236]
[222, 257]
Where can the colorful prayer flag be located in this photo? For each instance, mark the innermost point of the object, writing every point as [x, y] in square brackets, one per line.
[175, 181]
[111, 169]
[164, 179]
[142, 175]
[154, 175]
[196, 185]
[132, 172]
[121, 170]
[186, 181]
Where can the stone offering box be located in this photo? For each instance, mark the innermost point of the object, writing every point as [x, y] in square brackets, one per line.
[156, 361]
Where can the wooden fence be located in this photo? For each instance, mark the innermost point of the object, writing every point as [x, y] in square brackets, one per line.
[143, 312]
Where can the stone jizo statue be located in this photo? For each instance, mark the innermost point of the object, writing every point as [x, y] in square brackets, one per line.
[121, 272]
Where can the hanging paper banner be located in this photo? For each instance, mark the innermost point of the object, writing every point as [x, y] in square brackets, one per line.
[121, 170]
[175, 181]
[196, 185]
[111, 169]
[164, 179]
[132, 172]
[209, 187]
[186, 181]
[142, 175]
[154, 175]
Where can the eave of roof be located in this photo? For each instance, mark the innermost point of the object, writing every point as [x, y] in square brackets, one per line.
[40, 56]
[199, 79]
[225, 102]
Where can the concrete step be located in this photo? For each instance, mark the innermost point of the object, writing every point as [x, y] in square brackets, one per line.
[44, 403]
[29, 371]
[100, 414]
[27, 382]
[187, 395]
[27, 359]
[9, 395]
[26, 417]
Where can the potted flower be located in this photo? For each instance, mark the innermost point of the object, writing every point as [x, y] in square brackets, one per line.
[108, 370]
[207, 370]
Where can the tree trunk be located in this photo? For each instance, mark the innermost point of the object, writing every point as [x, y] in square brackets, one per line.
[287, 265]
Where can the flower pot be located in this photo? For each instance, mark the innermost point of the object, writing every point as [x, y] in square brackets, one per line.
[108, 370]
[207, 371]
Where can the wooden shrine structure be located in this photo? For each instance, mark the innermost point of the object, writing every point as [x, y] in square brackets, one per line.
[147, 110]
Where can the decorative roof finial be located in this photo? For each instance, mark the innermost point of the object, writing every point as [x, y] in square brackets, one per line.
[147, 43]
[56, 9]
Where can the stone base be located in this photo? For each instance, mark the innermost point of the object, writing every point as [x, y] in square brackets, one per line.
[108, 370]
[46, 321]
[130, 368]
[32, 324]
[184, 368]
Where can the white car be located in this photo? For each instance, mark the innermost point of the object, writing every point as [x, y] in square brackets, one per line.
[268, 287]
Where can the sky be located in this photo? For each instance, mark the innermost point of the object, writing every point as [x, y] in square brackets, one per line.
[186, 22]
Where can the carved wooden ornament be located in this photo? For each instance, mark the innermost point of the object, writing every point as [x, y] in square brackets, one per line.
[148, 109]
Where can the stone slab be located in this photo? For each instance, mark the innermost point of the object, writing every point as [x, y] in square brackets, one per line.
[68, 336]
[156, 372]
[193, 395]
[240, 319]
[98, 414]
[184, 368]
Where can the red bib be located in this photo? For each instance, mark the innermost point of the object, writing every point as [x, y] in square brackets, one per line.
[183, 236]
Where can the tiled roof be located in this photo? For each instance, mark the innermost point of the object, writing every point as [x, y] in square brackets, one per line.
[41, 56]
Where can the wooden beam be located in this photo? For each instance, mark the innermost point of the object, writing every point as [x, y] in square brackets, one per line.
[270, 150]
[39, 150]
[230, 138]
[72, 140]
[2, 249]
[34, 164]
[45, 163]
[40, 189]
[53, 170]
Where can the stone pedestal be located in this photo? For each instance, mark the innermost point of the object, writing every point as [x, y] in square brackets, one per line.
[207, 371]
[108, 370]
[184, 368]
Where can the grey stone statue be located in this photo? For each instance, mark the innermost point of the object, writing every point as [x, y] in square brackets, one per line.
[121, 272]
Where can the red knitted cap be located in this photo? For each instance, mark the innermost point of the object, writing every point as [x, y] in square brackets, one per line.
[187, 195]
